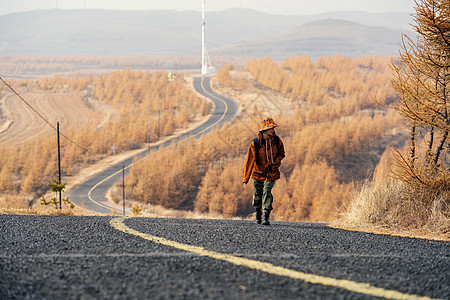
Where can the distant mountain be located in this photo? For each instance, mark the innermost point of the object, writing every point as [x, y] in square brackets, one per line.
[233, 32]
[321, 38]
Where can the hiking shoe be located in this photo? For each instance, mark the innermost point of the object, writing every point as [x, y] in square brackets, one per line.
[258, 215]
[266, 219]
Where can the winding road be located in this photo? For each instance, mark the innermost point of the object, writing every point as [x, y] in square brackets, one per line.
[91, 194]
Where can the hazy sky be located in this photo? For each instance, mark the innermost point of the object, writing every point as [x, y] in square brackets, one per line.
[286, 7]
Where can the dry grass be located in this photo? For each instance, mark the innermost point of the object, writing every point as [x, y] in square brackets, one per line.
[25, 205]
[50, 211]
[394, 208]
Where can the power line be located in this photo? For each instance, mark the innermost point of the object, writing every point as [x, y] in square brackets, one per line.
[45, 120]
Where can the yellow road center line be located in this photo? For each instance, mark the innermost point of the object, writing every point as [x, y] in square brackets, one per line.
[358, 287]
[100, 182]
[223, 115]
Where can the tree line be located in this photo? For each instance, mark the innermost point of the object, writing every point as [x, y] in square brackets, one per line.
[39, 65]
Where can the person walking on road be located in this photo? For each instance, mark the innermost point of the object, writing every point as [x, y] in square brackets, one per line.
[262, 164]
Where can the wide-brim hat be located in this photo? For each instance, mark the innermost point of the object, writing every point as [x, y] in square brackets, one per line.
[267, 123]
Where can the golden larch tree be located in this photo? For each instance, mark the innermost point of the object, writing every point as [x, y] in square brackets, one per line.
[421, 79]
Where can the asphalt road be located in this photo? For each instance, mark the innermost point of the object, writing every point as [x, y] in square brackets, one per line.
[73, 257]
[91, 194]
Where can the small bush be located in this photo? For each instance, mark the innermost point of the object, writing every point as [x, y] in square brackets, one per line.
[56, 186]
[136, 210]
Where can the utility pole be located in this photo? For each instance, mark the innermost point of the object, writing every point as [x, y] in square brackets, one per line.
[123, 188]
[159, 121]
[59, 164]
[204, 65]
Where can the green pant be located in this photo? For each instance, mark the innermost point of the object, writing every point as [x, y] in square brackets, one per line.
[262, 195]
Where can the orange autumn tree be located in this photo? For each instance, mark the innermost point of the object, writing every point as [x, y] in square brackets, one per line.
[421, 79]
[417, 199]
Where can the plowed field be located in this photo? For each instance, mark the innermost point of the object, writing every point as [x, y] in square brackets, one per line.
[19, 123]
